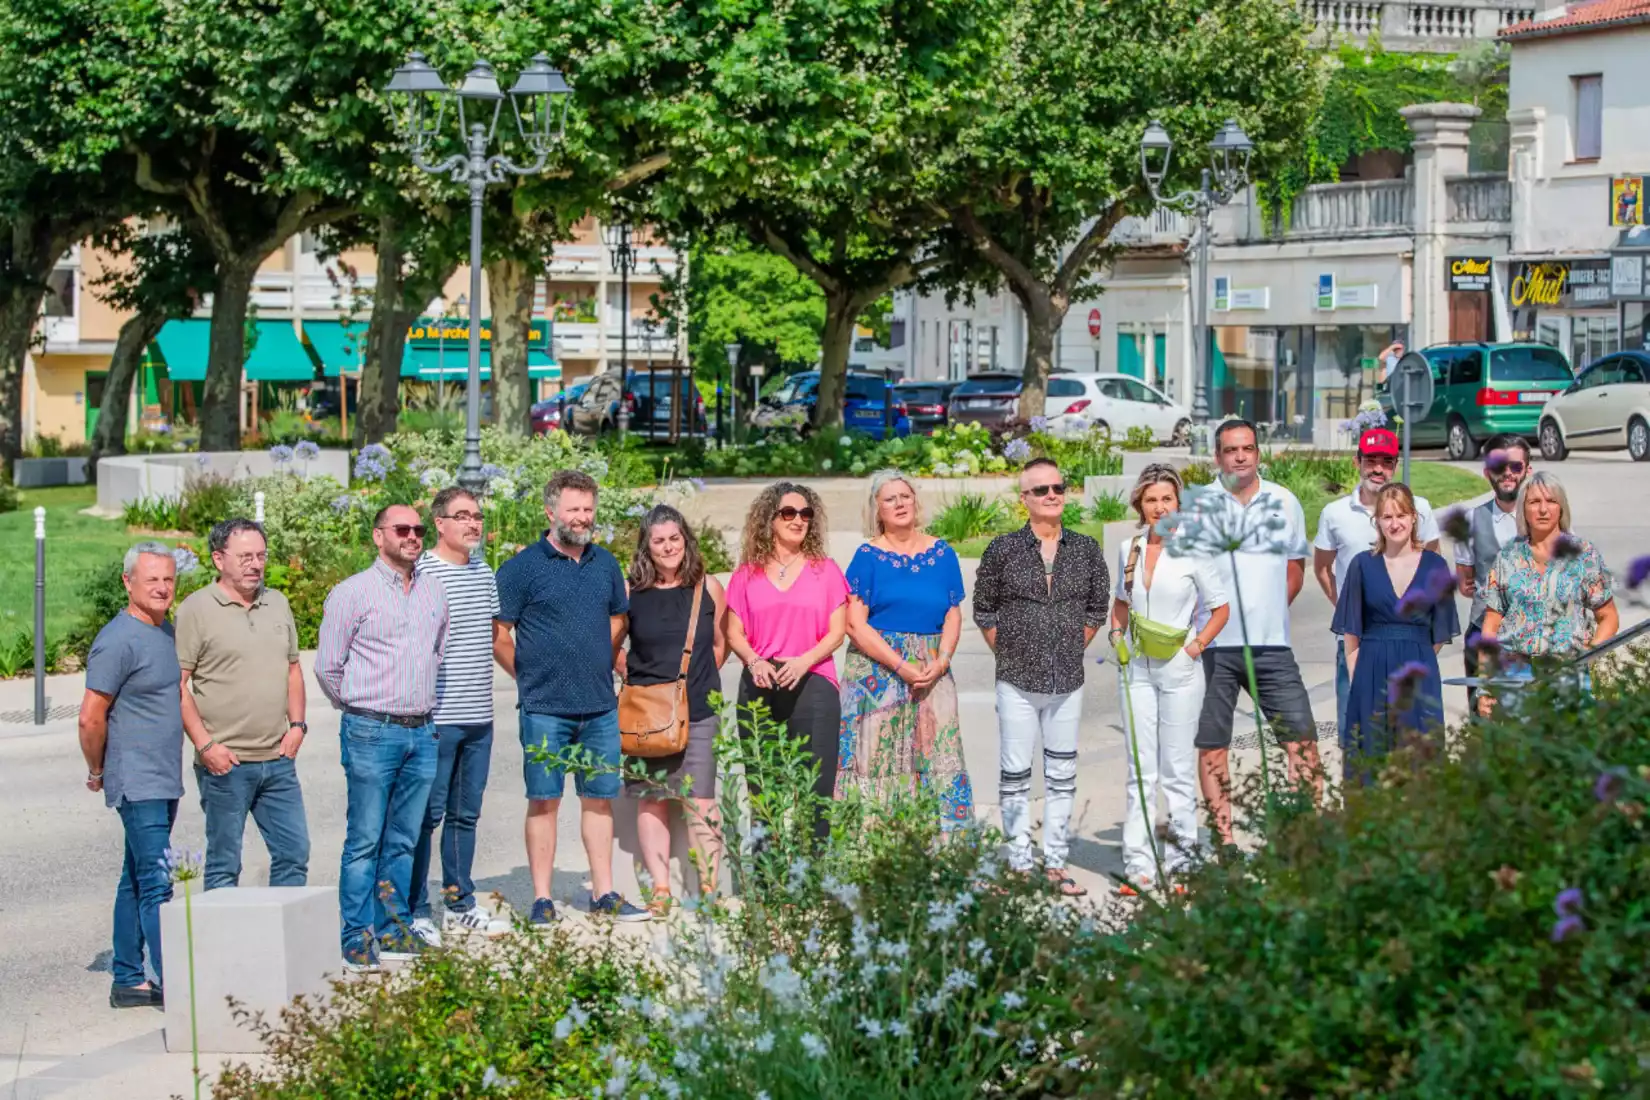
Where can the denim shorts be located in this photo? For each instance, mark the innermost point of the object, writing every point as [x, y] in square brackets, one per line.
[597, 734]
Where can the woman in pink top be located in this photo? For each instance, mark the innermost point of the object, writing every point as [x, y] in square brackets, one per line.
[789, 605]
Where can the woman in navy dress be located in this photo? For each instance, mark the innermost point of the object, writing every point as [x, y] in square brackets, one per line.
[1396, 610]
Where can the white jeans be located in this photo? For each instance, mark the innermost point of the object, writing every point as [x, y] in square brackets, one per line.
[1167, 698]
[1021, 716]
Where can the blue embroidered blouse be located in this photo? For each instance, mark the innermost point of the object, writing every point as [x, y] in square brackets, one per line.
[907, 595]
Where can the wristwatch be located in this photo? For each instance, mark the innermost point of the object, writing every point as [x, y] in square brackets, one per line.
[300, 726]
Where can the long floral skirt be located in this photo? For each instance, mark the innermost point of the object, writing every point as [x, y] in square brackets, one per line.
[894, 743]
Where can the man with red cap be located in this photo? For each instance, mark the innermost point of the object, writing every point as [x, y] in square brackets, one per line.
[1347, 528]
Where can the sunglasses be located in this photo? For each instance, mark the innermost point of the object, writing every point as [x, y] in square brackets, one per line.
[1514, 468]
[404, 530]
[1058, 489]
[464, 517]
[788, 513]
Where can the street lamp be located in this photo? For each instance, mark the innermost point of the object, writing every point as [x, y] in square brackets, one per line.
[419, 99]
[733, 351]
[618, 235]
[1227, 174]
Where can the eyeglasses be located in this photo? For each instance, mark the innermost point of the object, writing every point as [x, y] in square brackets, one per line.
[1058, 489]
[404, 530]
[788, 514]
[259, 556]
[463, 517]
[1514, 468]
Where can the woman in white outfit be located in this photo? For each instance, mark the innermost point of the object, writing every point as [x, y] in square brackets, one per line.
[1167, 610]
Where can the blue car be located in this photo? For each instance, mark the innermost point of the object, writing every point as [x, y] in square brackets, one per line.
[863, 409]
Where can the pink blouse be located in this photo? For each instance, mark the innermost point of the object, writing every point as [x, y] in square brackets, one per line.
[789, 623]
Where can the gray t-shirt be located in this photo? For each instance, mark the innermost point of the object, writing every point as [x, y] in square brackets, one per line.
[137, 664]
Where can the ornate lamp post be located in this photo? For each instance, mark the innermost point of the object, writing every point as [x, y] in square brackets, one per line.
[539, 102]
[1227, 174]
[618, 234]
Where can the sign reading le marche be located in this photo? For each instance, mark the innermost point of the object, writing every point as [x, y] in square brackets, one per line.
[452, 331]
[1469, 273]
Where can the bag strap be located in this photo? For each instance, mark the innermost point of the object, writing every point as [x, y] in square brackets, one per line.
[1128, 566]
[692, 629]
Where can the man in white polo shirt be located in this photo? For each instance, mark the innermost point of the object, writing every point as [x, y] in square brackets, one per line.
[1266, 582]
[1347, 528]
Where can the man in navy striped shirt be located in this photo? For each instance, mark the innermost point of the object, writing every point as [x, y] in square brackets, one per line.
[463, 720]
[377, 658]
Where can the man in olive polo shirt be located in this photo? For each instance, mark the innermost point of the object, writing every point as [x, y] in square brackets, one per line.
[243, 709]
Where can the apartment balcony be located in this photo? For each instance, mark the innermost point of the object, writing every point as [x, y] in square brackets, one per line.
[593, 261]
[1160, 229]
[583, 340]
[1327, 211]
[285, 293]
[1408, 26]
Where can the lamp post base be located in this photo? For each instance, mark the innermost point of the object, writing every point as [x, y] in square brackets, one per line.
[469, 470]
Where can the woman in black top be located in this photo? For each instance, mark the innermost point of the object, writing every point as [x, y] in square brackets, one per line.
[664, 573]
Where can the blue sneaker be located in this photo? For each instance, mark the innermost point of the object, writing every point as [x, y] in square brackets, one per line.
[403, 948]
[362, 959]
[544, 912]
[614, 907]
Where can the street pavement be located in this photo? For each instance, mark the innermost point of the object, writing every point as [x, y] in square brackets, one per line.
[60, 849]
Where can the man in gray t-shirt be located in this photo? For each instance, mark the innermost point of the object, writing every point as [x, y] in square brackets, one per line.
[131, 733]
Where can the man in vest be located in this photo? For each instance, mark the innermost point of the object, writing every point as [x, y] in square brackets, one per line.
[1491, 526]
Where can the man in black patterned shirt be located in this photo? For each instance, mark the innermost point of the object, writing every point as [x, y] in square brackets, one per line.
[1039, 598]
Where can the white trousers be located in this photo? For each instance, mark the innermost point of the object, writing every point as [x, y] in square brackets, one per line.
[1166, 698]
[1021, 717]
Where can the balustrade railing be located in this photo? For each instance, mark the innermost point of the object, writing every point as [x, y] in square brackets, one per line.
[1486, 198]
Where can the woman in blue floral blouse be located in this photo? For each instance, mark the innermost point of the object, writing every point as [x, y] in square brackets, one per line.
[1548, 593]
[900, 731]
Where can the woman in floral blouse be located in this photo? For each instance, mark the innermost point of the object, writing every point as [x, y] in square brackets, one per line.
[900, 732]
[1548, 593]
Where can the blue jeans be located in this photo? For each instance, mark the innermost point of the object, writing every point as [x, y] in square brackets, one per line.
[389, 770]
[596, 734]
[144, 888]
[1343, 685]
[463, 758]
[269, 791]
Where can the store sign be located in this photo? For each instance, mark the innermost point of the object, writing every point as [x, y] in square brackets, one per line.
[1627, 201]
[429, 332]
[1326, 291]
[1223, 292]
[1589, 283]
[1357, 296]
[1627, 276]
[1539, 284]
[1469, 273]
[1251, 297]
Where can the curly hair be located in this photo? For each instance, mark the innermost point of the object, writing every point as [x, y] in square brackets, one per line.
[757, 546]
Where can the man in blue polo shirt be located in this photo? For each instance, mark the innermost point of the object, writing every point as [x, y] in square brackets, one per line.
[565, 599]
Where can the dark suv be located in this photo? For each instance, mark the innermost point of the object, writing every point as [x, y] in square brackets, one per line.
[989, 398]
[656, 401]
[862, 404]
[926, 403]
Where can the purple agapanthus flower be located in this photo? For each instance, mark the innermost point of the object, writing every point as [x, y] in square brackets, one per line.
[1457, 524]
[1638, 571]
[1608, 786]
[182, 865]
[1485, 645]
[307, 450]
[1039, 423]
[1566, 547]
[1568, 901]
[345, 503]
[1400, 686]
[489, 471]
[1565, 927]
[1437, 586]
[280, 454]
[1017, 450]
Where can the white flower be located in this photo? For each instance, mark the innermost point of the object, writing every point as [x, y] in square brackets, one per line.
[779, 979]
[1011, 999]
[826, 465]
[957, 981]
[1028, 1047]
[761, 1094]
[433, 477]
[685, 1059]
[493, 1079]
[764, 1041]
[670, 1087]
[810, 946]
[564, 1026]
[894, 949]
[899, 1028]
[941, 917]
[872, 1028]
[985, 1032]
[812, 1045]
[693, 1017]
[975, 945]
[845, 441]
[799, 866]
[1211, 521]
[845, 892]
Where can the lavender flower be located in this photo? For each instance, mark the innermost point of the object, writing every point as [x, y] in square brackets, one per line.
[1568, 901]
[1017, 450]
[1401, 685]
[1485, 645]
[1608, 786]
[1432, 592]
[306, 450]
[185, 560]
[1638, 570]
[182, 865]
[1565, 927]
[280, 454]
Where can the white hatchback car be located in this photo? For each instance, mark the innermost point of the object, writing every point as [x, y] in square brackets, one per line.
[1117, 402]
[1607, 406]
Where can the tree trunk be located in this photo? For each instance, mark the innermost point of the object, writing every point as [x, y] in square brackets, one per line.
[109, 437]
[1044, 313]
[18, 313]
[835, 341]
[220, 413]
[510, 293]
[380, 391]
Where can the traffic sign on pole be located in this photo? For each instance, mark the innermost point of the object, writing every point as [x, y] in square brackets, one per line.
[1412, 394]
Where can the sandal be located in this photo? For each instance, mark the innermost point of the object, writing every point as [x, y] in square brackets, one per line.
[1064, 882]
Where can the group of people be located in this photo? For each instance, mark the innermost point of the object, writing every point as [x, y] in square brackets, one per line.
[408, 647]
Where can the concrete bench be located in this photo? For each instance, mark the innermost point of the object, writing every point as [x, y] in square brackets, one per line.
[261, 945]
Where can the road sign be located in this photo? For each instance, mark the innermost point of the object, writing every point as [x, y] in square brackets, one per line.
[1094, 323]
[1412, 394]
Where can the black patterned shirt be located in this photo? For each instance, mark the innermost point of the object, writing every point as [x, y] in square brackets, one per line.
[1040, 629]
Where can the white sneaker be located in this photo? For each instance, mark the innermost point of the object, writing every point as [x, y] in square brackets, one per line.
[475, 921]
[424, 928]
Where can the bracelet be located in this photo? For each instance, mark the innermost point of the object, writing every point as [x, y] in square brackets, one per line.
[209, 743]
[94, 775]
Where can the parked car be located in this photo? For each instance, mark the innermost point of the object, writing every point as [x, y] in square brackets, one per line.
[1484, 390]
[862, 404]
[649, 396]
[926, 403]
[1607, 406]
[989, 398]
[1117, 402]
[550, 414]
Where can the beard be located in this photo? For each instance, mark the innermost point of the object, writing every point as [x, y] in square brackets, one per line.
[1505, 495]
[568, 535]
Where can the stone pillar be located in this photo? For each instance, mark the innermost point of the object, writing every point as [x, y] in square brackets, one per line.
[1440, 142]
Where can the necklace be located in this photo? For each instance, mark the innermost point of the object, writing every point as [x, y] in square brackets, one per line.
[785, 567]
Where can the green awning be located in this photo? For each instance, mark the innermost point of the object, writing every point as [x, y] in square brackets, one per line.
[278, 356]
[337, 344]
[183, 346]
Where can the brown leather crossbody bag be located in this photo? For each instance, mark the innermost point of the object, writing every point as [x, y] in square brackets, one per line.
[653, 718]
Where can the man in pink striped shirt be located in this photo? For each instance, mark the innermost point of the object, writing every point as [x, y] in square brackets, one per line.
[382, 637]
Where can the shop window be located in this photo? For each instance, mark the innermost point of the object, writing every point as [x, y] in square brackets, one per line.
[1589, 119]
[1592, 336]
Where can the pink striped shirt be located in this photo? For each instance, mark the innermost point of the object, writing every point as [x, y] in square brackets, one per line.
[381, 642]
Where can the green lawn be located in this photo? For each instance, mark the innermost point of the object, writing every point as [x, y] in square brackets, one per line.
[75, 545]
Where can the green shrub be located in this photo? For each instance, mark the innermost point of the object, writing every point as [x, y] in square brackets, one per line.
[1197, 473]
[970, 516]
[1109, 508]
[9, 500]
[208, 499]
[1139, 438]
[154, 514]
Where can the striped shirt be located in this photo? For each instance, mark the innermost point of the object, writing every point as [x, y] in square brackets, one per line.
[381, 642]
[464, 685]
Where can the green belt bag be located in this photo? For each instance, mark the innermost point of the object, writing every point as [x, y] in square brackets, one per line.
[1155, 640]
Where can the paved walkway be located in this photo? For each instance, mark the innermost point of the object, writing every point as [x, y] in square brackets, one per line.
[60, 849]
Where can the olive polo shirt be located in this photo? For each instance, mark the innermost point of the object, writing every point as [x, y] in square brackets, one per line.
[238, 658]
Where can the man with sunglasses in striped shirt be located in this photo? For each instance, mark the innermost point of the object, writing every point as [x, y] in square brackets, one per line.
[382, 637]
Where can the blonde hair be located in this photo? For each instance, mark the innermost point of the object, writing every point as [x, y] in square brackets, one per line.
[1158, 473]
[1395, 492]
[1553, 489]
[757, 545]
[873, 511]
